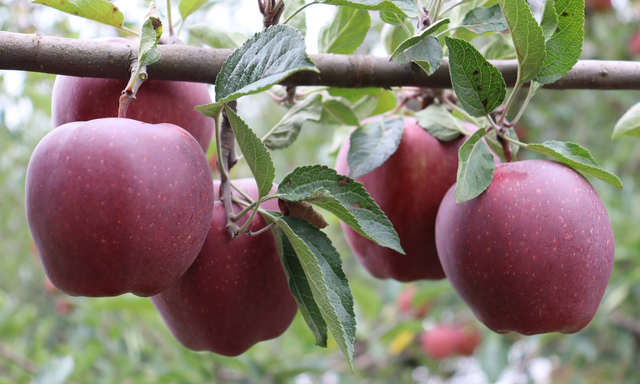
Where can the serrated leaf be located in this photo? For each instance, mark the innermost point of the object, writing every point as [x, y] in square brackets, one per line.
[342, 196]
[288, 128]
[565, 45]
[149, 35]
[217, 38]
[485, 19]
[576, 157]
[346, 32]
[102, 11]
[187, 7]
[255, 153]
[475, 168]
[393, 35]
[629, 123]
[55, 371]
[527, 36]
[300, 288]
[406, 8]
[353, 94]
[299, 21]
[372, 144]
[478, 85]
[424, 49]
[440, 123]
[341, 112]
[263, 61]
[492, 141]
[329, 285]
[549, 21]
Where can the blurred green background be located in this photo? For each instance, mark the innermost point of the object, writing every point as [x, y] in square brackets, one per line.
[48, 337]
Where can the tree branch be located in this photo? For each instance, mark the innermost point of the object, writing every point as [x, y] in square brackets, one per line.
[89, 58]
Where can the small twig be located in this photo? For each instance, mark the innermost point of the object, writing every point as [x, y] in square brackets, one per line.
[291, 95]
[228, 154]
[271, 12]
[169, 18]
[260, 231]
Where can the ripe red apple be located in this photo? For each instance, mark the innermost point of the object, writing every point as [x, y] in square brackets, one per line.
[598, 5]
[117, 205]
[531, 254]
[408, 187]
[440, 342]
[470, 337]
[634, 44]
[406, 305]
[235, 294]
[157, 101]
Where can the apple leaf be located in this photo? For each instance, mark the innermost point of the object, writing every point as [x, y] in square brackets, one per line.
[485, 19]
[187, 7]
[299, 21]
[478, 85]
[255, 153]
[149, 35]
[386, 102]
[340, 112]
[300, 288]
[406, 8]
[391, 17]
[629, 123]
[288, 128]
[352, 95]
[440, 123]
[492, 141]
[364, 107]
[346, 32]
[393, 35]
[329, 285]
[372, 144]
[527, 37]
[217, 38]
[424, 49]
[102, 11]
[549, 21]
[261, 62]
[342, 196]
[576, 157]
[475, 168]
[565, 45]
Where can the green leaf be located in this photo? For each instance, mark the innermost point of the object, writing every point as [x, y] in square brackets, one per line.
[329, 285]
[492, 141]
[527, 38]
[263, 61]
[286, 131]
[485, 19]
[440, 123]
[55, 371]
[346, 32]
[187, 7]
[353, 94]
[255, 153]
[576, 157]
[149, 35]
[102, 11]
[386, 102]
[549, 21]
[364, 107]
[393, 35]
[372, 144]
[341, 112]
[475, 168]
[478, 84]
[406, 8]
[300, 288]
[424, 49]
[299, 21]
[342, 196]
[217, 38]
[499, 47]
[629, 123]
[565, 45]
[391, 17]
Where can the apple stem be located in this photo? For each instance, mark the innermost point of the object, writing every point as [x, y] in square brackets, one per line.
[271, 12]
[139, 75]
[261, 231]
[227, 151]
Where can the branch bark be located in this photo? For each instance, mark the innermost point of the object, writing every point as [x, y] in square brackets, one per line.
[89, 58]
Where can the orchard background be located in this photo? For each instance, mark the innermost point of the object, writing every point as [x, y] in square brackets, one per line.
[48, 337]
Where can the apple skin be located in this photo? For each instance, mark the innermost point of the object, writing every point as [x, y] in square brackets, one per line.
[235, 294]
[117, 205]
[157, 101]
[533, 253]
[408, 187]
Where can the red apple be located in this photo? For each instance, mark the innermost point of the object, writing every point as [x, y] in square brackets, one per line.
[440, 342]
[634, 44]
[470, 337]
[408, 187]
[598, 5]
[406, 305]
[64, 307]
[117, 205]
[531, 254]
[235, 294]
[157, 101]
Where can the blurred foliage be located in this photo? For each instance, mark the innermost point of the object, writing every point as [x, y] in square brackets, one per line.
[45, 336]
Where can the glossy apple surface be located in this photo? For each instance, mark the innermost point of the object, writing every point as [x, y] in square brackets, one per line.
[531, 254]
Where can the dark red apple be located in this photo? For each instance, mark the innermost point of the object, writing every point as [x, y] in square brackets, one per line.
[470, 337]
[157, 101]
[408, 187]
[440, 342]
[117, 205]
[235, 294]
[406, 305]
[531, 254]
[598, 5]
[634, 44]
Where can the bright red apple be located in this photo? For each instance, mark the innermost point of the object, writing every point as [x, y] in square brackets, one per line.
[531, 254]
[85, 98]
[235, 294]
[470, 337]
[117, 205]
[408, 187]
[406, 305]
[440, 342]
